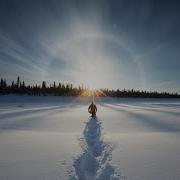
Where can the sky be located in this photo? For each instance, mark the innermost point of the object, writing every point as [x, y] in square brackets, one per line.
[98, 43]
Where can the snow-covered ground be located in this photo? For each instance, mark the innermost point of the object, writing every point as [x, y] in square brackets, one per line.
[52, 138]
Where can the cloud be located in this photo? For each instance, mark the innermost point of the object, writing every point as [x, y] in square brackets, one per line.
[99, 44]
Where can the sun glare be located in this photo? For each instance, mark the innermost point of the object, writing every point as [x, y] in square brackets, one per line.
[92, 93]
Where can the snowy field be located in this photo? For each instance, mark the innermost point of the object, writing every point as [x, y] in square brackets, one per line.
[53, 138]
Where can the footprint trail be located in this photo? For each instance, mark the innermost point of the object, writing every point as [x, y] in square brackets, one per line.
[95, 161]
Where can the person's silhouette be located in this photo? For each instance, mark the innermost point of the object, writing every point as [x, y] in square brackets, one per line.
[92, 109]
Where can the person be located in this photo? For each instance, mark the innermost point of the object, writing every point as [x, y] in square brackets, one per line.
[92, 109]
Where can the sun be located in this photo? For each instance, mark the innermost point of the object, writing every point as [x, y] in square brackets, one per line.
[92, 93]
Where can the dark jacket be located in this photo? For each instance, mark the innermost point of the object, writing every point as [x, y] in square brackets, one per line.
[92, 109]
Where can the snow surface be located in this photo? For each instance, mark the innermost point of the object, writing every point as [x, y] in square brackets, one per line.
[52, 138]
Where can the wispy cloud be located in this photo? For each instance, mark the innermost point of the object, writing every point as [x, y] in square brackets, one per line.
[94, 43]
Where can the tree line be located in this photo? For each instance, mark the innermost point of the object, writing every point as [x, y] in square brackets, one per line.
[61, 89]
[20, 87]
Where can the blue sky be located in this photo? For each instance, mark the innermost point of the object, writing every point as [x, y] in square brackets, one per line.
[114, 44]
